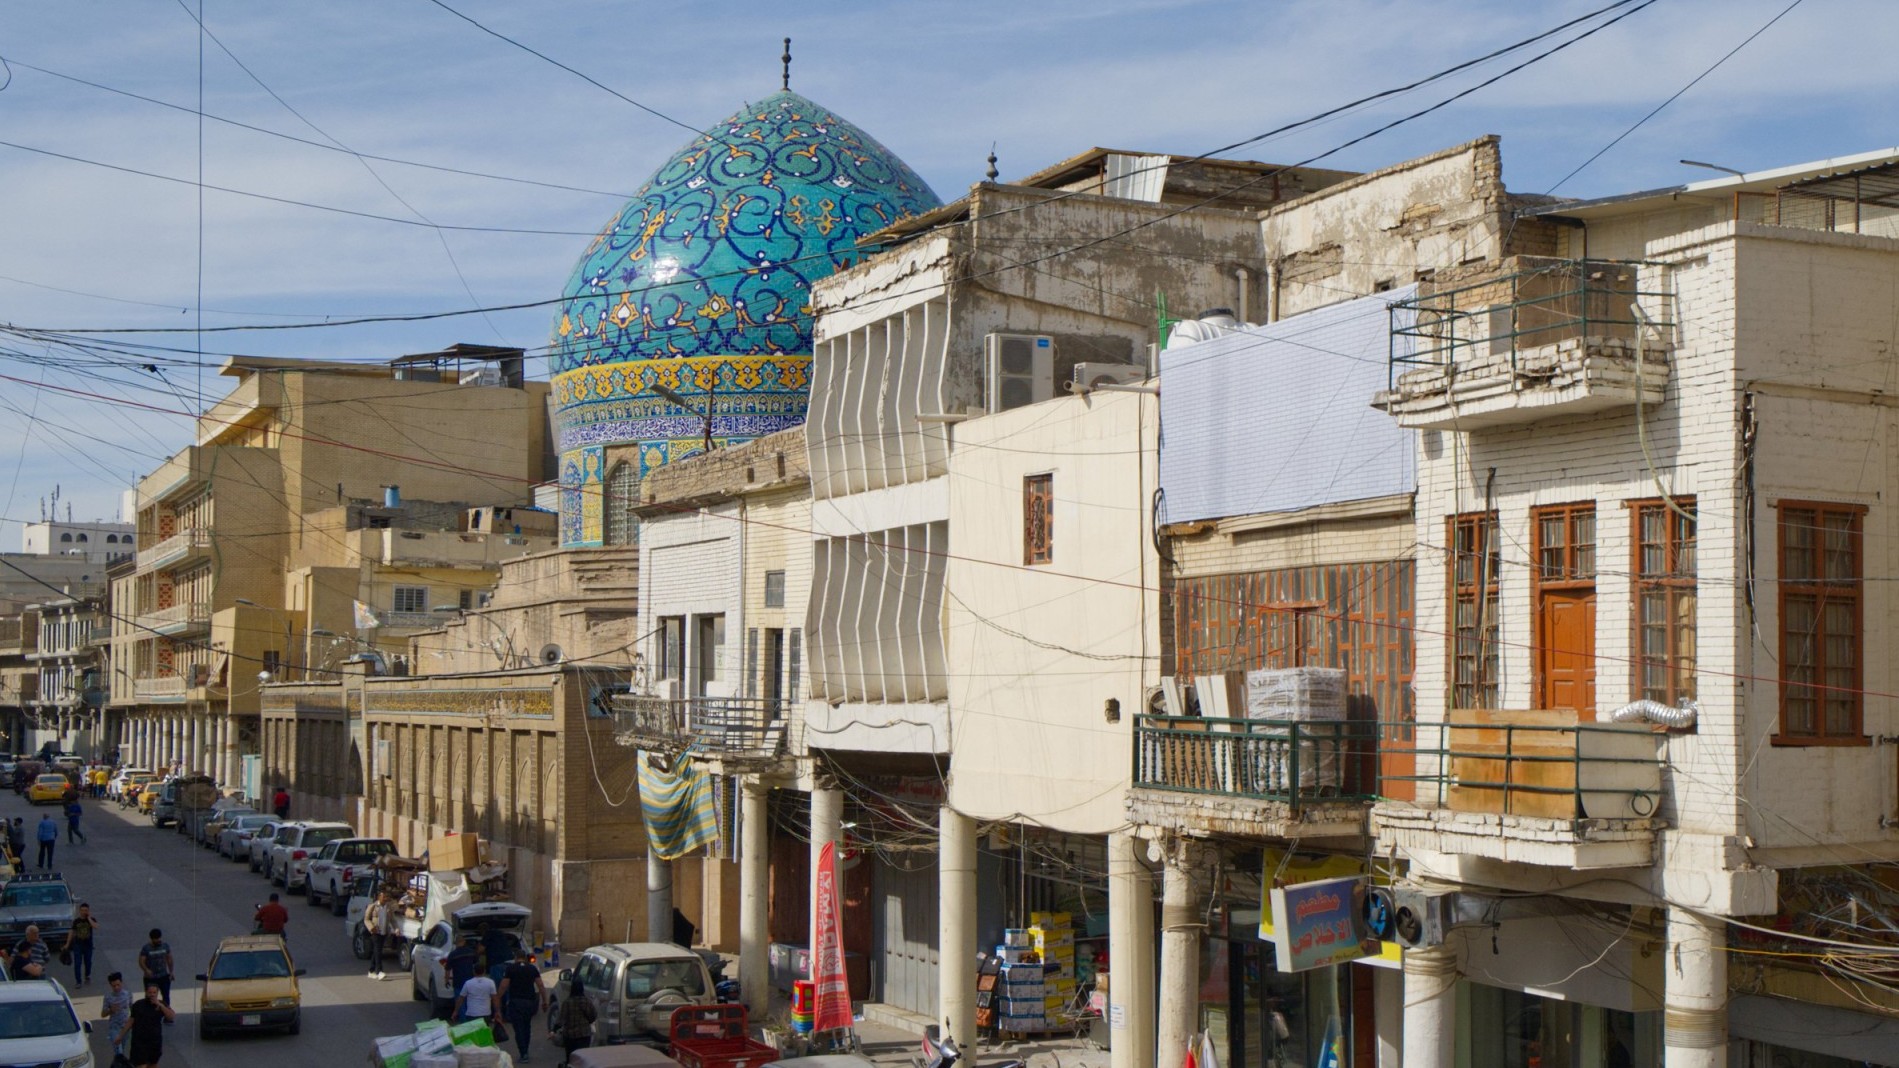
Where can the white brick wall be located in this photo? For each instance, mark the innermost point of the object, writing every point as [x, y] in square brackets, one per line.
[1805, 322]
[688, 567]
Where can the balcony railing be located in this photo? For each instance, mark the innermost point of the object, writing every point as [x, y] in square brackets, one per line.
[1535, 765]
[734, 728]
[177, 618]
[1292, 762]
[1537, 337]
[413, 620]
[159, 688]
[180, 546]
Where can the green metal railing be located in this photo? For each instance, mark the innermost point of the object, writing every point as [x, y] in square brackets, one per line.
[1547, 302]
[1552, 770]
[1293, 762]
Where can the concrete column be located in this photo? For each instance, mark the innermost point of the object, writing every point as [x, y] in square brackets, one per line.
[1183, 924]
[956, 925]
[1695, 992]
[1130, 954]
[755, 896]
[659, 898]
[233, 758]
[1388, 1009]
[1430, 1007]
[827, 825]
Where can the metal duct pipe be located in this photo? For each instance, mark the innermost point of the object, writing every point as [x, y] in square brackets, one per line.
[1653, 712]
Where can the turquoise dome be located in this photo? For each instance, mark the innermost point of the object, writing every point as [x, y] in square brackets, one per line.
[701, 284]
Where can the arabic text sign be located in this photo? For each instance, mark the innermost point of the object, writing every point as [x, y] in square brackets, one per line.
[1319, 924]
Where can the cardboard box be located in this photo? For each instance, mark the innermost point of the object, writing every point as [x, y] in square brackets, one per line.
[454, 852]
[1024, 992]
[1051, 919]
[1012, 955]
[1016, 938]
[1022, 1024]
[1021, 972]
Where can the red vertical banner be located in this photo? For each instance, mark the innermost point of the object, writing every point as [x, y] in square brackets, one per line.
[828, 980]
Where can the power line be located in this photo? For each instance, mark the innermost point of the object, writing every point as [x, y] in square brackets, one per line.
[319, 144]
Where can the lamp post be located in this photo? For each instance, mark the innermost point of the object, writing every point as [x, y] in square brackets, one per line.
[706, 415]
[507, 658]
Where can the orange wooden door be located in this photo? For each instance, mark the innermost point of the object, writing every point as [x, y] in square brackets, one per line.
[1566, 650]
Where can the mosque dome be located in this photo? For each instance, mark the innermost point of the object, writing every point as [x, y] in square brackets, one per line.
[701, 284]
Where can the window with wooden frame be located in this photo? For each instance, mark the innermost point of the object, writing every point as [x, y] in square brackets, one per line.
[1474, 562]
[1821, 635]
[1664, 611]
[1038, 506]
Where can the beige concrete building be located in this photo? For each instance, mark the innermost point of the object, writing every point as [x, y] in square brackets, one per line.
[209, 615]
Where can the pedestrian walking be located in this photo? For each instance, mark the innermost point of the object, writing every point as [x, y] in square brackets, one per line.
[573, 1025]
[145, 1026]
[79, 944]
[116, 1009]
[74, 810]
[271, 917]
[476, 1001]
[376, 923]
[48, 835]
[280, 803]
[154, 962]
[16, 841]
[523, 999]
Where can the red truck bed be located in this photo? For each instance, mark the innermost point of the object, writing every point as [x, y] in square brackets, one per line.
[716, 1036]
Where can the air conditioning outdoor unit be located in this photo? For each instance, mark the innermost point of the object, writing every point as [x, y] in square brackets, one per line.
[1021, 369]
[1092, 376]
[1419, 918]
[197, 674]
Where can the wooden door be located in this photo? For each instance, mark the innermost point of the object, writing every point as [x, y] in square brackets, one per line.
[1566, 650]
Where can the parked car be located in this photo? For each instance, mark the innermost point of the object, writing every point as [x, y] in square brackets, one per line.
[501, 921]
[634, 987]
[42, 1026]
[40, 900]
[261, 841]
[334, 869]
[234, 841]
[7, 768]
[24, 773]
[133, 786]
[250, 985]
[290, 853]
[48, 789]
[209, 831]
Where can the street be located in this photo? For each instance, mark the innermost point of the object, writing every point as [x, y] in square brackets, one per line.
[137, 877]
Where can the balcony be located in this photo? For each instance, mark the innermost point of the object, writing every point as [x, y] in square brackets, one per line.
[1531, 787]
[447, 548]
[160, 688]
[178, 619]
[1271, 778]
[1536, 339]
[185, 545]
[736, 730]
[190, 467]
[392, 620]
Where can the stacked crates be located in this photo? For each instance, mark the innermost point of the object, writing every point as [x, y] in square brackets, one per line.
[1019, 1004]
[1052, 934]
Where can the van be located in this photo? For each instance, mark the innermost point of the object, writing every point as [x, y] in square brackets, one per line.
[635, 986]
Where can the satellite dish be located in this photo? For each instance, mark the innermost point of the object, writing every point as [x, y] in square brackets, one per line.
[552, 654]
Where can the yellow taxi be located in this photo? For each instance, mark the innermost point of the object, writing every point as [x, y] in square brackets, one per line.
[131, 789]
[49, 788]
[251, 985]
[149, 796]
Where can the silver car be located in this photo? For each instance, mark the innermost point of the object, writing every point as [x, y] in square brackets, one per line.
[235, 841]
[258, 849]
[295, 846]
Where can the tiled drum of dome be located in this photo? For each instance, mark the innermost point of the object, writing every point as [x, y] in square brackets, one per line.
[702, 284]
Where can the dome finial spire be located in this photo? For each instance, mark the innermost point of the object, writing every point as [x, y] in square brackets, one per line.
[785, 82]
[992, 174]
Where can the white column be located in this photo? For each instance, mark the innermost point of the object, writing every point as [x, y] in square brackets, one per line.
[221, 756]
[956, 925]
[755, 895]
[659, 897]
[1388, 1010]
[1695, 992]
[1130, 955]
[1430, 1007]
[1183, 922]
[827, 825]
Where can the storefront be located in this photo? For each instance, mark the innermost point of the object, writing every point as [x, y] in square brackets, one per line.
[1260, 1017]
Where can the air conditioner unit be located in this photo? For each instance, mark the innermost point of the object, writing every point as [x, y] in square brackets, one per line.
[1021, 369]
[1091, 376]
[1420, 918]
[669, 689]
[197, 674]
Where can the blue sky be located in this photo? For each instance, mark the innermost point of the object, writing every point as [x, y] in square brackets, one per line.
[936, 82]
